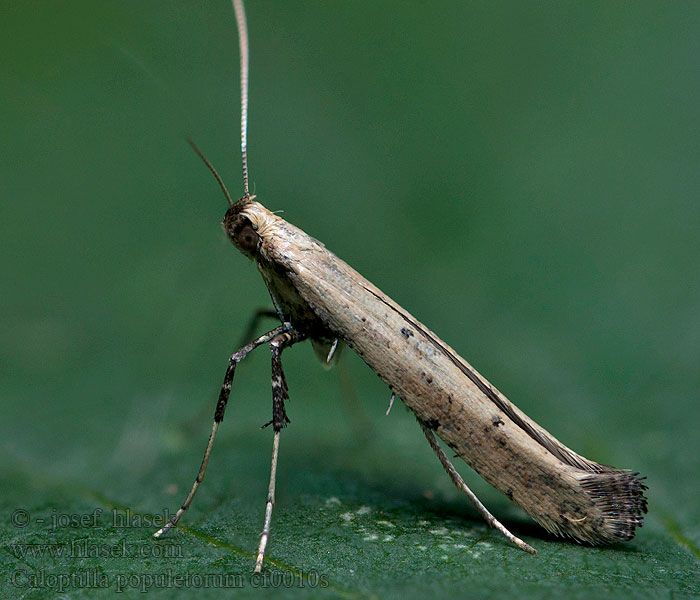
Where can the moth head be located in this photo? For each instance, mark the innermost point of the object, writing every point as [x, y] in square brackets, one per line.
[240, 229]
[237, 226]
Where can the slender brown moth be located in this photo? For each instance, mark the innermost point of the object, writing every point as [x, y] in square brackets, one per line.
[317, 296]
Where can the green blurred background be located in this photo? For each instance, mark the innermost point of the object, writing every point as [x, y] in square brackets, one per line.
[523, 177]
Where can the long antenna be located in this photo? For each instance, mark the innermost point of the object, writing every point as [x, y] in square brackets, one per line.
[243, 43]
[212, 169]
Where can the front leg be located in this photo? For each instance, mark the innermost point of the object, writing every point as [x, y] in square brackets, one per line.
[236, 357]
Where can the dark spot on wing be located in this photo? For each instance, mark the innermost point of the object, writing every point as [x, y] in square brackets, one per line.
[432, 424]
[541, 437]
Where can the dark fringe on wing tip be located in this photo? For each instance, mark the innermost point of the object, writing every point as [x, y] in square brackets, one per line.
[619, 495]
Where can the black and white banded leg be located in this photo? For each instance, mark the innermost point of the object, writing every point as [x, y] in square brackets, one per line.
[236, 357]
[279, 420]
[459, 482]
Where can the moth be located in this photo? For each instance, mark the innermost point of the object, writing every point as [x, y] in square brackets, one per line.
[319, 297]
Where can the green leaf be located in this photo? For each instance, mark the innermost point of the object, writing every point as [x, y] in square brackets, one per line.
[522, 178]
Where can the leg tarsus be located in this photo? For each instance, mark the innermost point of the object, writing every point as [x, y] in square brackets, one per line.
[265, 536]
[200, 477]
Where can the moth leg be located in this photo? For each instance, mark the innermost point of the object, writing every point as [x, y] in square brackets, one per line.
[279, 420]
[236, 357]
[459, 482]
[391, 403]
[256, 317]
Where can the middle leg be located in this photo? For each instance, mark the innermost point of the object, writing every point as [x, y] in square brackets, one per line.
[279, 420]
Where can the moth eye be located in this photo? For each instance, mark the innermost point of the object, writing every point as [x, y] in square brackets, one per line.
[247, 239]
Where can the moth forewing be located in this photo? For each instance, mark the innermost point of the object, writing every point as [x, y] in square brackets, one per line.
[565, 492]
